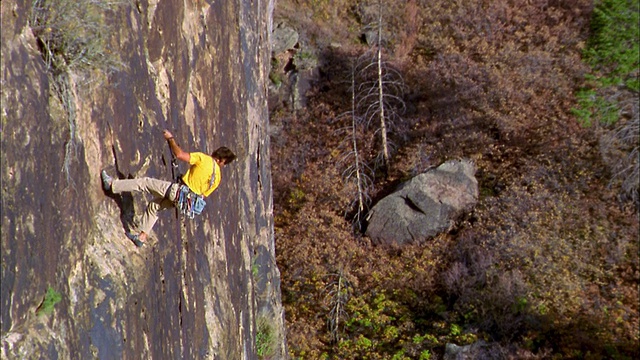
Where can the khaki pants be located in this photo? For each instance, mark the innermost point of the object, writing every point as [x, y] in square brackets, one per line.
[159, 189]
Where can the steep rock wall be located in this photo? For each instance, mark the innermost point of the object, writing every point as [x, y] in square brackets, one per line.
[200, 287]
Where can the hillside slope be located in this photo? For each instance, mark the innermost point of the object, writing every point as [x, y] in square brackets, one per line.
[545, 266]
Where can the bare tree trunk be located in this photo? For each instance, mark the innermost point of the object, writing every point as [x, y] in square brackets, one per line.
[354, 123]
[337, 311]
[338, 298]
[356, 170]
[383, 125]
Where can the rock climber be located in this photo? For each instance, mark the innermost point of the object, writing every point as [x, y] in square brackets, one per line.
[202, 178]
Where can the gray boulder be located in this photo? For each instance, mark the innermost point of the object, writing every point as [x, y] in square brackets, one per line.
[283, 38]
[467, 352]
[424, 206]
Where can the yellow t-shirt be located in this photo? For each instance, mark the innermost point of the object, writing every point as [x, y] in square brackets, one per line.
[198, 177]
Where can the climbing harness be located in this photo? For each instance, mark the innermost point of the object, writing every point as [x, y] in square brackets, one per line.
[189, 203]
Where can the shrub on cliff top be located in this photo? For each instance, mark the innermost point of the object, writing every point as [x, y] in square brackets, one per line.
[73, 34]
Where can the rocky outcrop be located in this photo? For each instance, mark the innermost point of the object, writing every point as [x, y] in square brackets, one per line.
[294, 67]
[424, 206]
[283, 38]
[200, 287]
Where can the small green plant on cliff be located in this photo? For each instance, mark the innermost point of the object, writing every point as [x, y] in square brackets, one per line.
[274, 75]
[51, 298]
[266, 338]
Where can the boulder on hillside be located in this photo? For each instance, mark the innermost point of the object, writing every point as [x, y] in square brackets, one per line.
[424, 206]
[477, 350]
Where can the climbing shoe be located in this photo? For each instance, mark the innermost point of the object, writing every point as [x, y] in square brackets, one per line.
[106, 180]
[135, 238]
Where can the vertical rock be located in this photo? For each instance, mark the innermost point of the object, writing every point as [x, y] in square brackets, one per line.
[197, 290]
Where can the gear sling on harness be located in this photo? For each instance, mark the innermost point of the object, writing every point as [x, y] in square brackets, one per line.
[189, 203]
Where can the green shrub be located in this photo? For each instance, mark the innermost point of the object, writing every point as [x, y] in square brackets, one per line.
[613, 45]
[274, 73]
[595, 108]
[297, 198]
[51, 298]
[425, 355]
[266, 338]
[613, 52]
[72, 34]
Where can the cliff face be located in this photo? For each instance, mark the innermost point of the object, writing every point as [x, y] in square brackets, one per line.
[200, 288]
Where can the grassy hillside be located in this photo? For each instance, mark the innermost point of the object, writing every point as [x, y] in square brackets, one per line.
[546, 265]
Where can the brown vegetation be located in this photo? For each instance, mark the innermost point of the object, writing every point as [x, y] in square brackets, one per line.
[546, 266]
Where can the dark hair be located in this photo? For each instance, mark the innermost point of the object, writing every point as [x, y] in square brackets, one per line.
[223, 153]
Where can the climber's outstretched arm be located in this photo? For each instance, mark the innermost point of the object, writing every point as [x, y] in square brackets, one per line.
[175, 148]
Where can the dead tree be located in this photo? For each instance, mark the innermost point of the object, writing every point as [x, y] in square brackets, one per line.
[338, 291]
[356, 170]
[380, 93]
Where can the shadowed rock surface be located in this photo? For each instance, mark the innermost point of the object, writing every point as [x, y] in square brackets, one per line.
[425, 205]
[195, 292]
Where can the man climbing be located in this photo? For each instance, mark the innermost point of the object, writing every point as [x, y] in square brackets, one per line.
[202, 178]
